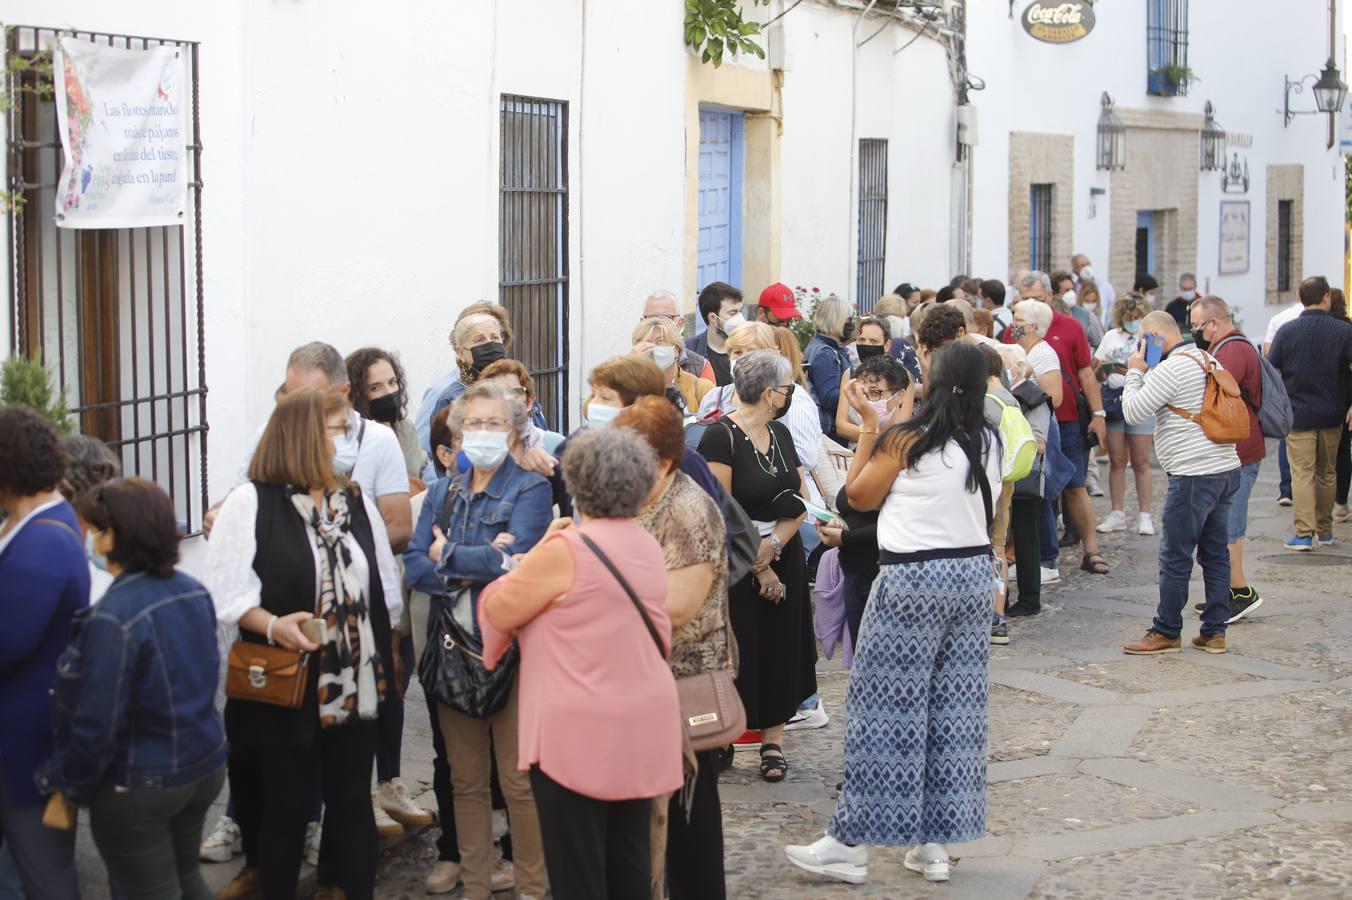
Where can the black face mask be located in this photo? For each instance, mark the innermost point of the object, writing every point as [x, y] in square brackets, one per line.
[784, 410]
[386, 409]
[868, 351]
[485, 355]
[1202, 343]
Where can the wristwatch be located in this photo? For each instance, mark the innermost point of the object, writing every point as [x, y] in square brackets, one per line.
[1101, 413]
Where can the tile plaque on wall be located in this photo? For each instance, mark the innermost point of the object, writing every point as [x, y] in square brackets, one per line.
[1234, 249]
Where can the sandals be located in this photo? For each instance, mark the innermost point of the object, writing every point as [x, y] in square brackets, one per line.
[773, 768]
[1094, 564]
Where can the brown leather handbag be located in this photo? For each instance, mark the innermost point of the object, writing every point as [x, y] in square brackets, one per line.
[711, 709]
[265, 674]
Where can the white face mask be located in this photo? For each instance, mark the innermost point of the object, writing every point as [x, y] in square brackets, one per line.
[663, 355]
[600, 416]
[485, 449]
[344, 454]
[1070, 298]
[731, 323]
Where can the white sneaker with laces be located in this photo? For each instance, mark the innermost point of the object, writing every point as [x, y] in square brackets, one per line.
[223, 843]
[398, 803]
[385, 826]
[503, 877]
[1114, 521]
[1145, 524]
[313, 834]
[1050, 576]
[809, 718]
[930, 860]
[831, 858]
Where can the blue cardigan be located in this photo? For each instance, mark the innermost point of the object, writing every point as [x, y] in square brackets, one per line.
[44, 579]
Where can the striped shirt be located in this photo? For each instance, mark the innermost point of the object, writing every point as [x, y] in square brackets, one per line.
[1180, 444]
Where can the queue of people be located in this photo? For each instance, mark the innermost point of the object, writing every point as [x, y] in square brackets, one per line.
[555, 594]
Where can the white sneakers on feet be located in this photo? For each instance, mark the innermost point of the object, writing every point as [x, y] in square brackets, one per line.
[1050, 576]
[809, 718]
[313, 834]
[1114, 521]
[1145, 524]
[503, 877]
[385, 826]
[443, 878]
[223, 844]
[831, 858]
[398, 803]
[930, 860]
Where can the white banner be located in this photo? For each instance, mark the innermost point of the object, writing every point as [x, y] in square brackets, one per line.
[121, 114]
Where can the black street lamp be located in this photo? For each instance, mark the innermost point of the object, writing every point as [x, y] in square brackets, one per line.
[1112, 137]
[1329, 93]
[1213, 142]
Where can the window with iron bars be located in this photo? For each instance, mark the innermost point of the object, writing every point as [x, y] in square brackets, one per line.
[114, 314]
[1285, 208]
[1040, 227]
[1167, 47]
[872, 221]
[533, 243]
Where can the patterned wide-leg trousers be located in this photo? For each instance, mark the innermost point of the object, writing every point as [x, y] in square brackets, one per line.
[915, 732]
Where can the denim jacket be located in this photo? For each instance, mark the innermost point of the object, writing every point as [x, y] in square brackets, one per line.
[827, 362]
[515, 501]
[135, 696]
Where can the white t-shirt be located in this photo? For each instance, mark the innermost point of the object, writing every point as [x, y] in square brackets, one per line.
[1290, 314]
[929, 508]
[1117, 346]
[1043, 359]
[380, 468]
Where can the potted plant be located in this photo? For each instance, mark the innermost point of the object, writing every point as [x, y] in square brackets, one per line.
[27, 382]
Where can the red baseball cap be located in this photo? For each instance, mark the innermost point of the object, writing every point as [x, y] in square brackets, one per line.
[778, 299]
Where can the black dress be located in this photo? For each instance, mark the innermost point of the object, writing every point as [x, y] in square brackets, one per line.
[778, 648]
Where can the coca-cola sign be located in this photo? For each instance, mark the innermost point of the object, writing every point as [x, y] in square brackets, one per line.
[1059, 23]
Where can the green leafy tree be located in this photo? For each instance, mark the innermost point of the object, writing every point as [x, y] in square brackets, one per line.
[716, 27]
[28, 383]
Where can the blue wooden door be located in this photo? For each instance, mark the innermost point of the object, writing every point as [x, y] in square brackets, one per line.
[720, 197]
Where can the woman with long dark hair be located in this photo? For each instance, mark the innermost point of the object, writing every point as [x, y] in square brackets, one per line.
[923, 654]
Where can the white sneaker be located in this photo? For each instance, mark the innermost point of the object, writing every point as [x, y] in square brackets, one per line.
[443, 878]
[503, 877]
[1114, 521]
[223, 844]
[398, 803]
[313, 834]
[831, 858]
[930, 860]
[1050, 576]
[499, 824]
[1092, 483]
[809, 718]
[1145, 524]
[385, 826]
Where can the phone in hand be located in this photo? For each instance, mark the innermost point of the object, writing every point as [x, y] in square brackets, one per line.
[1154, 349]
[315, 630]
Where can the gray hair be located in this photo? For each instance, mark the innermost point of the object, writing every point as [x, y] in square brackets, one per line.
[517, 417]
[830, 315]
[1035, 313]
[89, 461]
[1188, 276]
[609, 472]
[460, 333]
[1211, 305]
[757, 372]
[1036, 277]
[963, 307]
[318, 356]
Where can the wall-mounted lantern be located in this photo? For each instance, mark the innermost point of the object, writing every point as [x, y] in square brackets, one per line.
[1112, 138]
[1329, 93]
[1213, 142]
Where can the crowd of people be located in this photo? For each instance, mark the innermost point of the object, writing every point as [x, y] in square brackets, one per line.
[570, 603]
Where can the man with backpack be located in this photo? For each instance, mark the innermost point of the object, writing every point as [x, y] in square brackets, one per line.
[1213, 330]
[1312, 353]
[1183, 392]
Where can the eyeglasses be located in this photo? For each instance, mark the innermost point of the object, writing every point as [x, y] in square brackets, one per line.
[783, 390]
[484, 425]
[676, 318]
[878, 394]
[518, 391]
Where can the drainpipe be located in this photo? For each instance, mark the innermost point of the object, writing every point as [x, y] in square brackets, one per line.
[850, 275]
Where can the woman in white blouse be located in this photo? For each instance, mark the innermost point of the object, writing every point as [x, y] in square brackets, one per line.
[300, 559]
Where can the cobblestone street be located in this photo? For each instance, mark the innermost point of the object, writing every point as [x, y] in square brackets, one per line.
[1187, 775]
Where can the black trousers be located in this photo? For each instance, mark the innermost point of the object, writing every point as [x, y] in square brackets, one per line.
[448, 845]
[695, 846]
[1024, 513]
[594, 849]
[273, 789]
[1344, 467]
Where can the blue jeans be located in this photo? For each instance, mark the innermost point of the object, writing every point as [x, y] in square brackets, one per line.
[1284, 470]
[1239, 509]
[1196, 518]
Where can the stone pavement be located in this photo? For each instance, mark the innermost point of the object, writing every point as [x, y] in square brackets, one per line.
[1186, 775]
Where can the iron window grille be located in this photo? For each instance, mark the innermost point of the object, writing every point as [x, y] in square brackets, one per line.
[114, 314]
[1040, 227]
[872, 221]
[1167, 48]
[1284, 242]
[533, 243]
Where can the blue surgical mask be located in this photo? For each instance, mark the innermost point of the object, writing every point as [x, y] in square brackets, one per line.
[1132, 327]
[344, 454]
[601, 416]
[99, 561]
[1188, 295]
[485, 449]
[663, 356]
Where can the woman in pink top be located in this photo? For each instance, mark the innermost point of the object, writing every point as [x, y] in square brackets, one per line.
[599, 720]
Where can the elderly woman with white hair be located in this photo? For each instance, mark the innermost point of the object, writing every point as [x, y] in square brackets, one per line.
[660, 340]
[827, 360]
[752, 455]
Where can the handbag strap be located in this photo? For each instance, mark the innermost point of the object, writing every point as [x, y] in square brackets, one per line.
[638, 604]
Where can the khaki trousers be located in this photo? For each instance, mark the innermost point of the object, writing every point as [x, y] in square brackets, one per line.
[1314, 481]
[467, 747]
